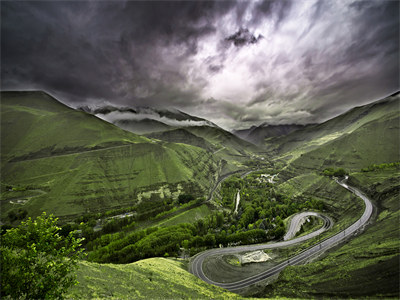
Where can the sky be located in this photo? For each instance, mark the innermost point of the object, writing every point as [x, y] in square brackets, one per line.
[235, 63]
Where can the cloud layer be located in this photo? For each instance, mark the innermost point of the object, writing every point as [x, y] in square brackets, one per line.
[235, 63]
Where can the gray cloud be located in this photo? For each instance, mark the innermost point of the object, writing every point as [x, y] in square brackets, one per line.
[316, 58]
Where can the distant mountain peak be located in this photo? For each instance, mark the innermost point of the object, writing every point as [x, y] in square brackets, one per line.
[257, 134]
[162, 118]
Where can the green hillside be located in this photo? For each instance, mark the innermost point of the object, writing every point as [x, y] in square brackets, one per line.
[313, 136]
[154, 278]
[181, 135]
[142, 126]
[36, 123]
[222, 138]
[68, 162]
[377, 141]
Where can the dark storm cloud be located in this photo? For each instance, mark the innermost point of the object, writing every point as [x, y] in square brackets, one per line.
[99, 49]
[243, 37]
[316, 58]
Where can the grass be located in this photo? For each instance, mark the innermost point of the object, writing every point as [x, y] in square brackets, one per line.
[376, 142]
[313, 136]
[189, 216]
[154, 278]
[86, 165]
[308, 227]
[110, 178]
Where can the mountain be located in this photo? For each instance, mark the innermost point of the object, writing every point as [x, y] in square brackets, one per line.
[34, 122]
[142, 120]
[375, 142]
[257, 134]
[223, 140]
[69, 162]
[142, 126]
[175, 126]
[182, 135]
[311, 137]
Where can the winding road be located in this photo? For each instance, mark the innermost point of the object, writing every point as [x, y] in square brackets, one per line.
[197, 262]
[298, 220]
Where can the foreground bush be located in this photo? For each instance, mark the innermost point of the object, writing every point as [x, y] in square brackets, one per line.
[36, 262]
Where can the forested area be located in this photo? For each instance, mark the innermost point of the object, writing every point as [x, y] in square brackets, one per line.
[259, 219]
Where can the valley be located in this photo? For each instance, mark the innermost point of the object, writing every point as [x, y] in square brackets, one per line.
[173, 201]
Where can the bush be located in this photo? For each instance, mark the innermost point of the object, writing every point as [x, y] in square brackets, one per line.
[185, 198]
[335, 172]
[36, 261]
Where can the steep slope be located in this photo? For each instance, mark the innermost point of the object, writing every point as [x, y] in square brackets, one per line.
[312, 136]
[181, 135]
[375, 142]
[223, 140]
[34, 121]
[142, 120]
[143, 126]
[257, 134]
[68, 162]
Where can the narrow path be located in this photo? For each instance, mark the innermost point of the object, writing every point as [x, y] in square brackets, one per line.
[197, 263]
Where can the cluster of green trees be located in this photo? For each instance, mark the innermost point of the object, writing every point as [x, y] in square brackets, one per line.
[260, 219]
[261, 206]
[335, 172]
[185, 198]
[375, 167]
[167, 241]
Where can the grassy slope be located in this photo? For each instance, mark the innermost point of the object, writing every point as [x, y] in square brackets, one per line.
[154, 278]
[32, 121]
[180, 135]
[77, 181]
[189, 216]
[221, 138]
[142, 126]
[367, 265]
[375, 142]
[313, 136]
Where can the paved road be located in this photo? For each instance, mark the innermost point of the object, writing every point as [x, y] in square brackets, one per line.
[196, 265]
[298, 220]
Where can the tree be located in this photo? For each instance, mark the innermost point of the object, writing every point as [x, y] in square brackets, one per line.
[36, 262]
[185, 198]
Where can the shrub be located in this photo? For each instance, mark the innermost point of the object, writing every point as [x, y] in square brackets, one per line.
[36, 261]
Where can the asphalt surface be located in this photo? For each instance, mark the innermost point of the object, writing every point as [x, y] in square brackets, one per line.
[298, 220]
[197, 262]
